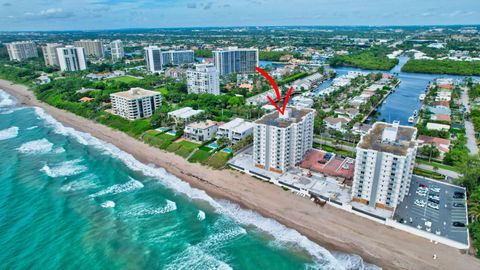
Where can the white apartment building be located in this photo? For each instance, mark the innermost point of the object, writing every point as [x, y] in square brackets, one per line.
[281, 141]
[93, 48]
[156, 59]
[116, 50]
[201, 131]
[135, 103]
[50, 54]
[71, 58]
[204, 79]
[235, 130]
[21, 50]
[384, 165]
[235, 60]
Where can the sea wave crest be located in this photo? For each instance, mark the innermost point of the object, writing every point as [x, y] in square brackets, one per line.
[119, 188]
[6, 100]
[141, 210]
[36, 147]
[67, 168]
[8, 133]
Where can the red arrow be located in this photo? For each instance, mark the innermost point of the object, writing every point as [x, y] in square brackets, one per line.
[277, 92]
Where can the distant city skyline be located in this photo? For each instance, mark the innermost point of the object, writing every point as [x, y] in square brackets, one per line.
[119, 14]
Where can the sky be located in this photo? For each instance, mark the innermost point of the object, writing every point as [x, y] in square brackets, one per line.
[116, 14]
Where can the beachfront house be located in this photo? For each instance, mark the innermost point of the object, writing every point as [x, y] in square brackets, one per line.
[235, 130]
[201, 131]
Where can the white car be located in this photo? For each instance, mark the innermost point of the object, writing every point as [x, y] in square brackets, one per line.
[435, 197]
[433, 205]
[420, 203]
[421, 193]
[435, 189]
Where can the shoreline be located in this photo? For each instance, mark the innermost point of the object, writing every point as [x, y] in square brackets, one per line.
[331, 228]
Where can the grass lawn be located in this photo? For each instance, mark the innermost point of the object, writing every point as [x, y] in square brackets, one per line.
[200, 156]
[162, 90]
[125, 79]
[157, 139]
[183, 148]
[219, 160]
[438, 165]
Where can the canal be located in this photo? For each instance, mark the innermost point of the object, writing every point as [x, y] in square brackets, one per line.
[401, 103]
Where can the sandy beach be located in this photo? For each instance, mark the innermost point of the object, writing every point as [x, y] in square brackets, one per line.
[330, 227]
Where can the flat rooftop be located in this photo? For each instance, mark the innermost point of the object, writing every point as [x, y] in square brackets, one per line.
[404, 139]
[203, 124]
[275, 119]
[135, 93]
[184, 113]
[237, 125]
[330, 165]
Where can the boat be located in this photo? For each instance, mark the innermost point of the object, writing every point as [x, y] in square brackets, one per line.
[422, 97]
[411, 119]
[415, 114]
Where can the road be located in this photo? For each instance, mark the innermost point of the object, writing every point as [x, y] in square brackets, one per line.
[469, 130]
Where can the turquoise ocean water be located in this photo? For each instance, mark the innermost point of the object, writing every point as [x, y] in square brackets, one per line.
[70, 201]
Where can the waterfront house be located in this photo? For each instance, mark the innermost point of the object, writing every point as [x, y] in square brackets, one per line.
[201, 131]
[235, 130]
[435, 126]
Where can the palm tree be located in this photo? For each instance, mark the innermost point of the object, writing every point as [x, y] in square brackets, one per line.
[474, 205]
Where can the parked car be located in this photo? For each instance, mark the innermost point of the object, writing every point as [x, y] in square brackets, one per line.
[421, 192]
[420, 203]
[456, 204]
[433, 205]
[433, 200]
[458, 224]
[435, 189]
[435, 197]
[423, 186]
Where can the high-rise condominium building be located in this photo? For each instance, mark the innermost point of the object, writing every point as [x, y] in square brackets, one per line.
[50, 54]
[235, 60]
[281, 141]
[116, 49]
[71, 58]
[93, 48]
[135, 103]
[21, 50]
[203, 79]
[384, 165]
[156, 59]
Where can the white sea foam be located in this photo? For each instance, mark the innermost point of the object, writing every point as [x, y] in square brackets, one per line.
[234, 211]
[108, 204]
[201, 215]
[36, 147]
[8, 133]
[67, 168]
[6, 100]
[119, 188]
[78, 185]
[141, 210]
[32, 127]
[194, 257]
[59, 150]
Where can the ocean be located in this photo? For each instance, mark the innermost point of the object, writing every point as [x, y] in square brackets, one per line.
[71, 201]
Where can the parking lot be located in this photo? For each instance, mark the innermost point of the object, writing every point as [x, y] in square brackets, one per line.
[418, 209]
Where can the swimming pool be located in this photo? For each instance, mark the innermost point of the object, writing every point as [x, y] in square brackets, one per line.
[173, 133]
[213, 145]
[228, 150]
[162, 129]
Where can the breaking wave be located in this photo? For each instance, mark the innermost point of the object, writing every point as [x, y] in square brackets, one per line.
[119, 188]
[201, 215]
[6, 100]
[36, 147]
[8, 133]
[67, 168]
[141, 210]
[108, 204]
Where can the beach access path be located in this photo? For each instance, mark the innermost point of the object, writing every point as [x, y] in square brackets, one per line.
[328, 226]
